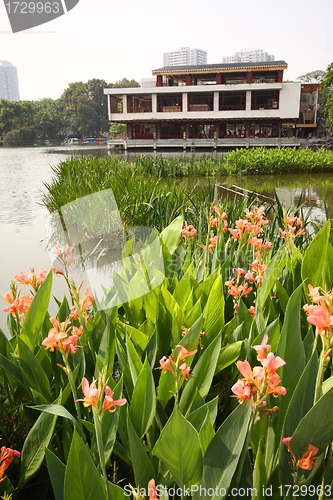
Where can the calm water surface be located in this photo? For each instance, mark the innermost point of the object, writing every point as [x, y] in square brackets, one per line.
[22, 217]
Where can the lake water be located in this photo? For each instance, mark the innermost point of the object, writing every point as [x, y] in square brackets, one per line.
[23, 172]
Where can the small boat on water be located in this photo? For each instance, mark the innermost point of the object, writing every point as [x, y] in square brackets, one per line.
[73, 141]
[96, 141]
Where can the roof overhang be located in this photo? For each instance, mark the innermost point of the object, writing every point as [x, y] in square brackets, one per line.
[220, 68]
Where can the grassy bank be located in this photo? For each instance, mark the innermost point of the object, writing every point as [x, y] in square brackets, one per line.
[148, 190]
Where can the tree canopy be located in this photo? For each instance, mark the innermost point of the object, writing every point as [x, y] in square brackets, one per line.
[327, 83]
[82, 107]
[315, 76]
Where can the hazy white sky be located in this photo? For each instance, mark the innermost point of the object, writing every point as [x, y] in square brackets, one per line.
[110, 39]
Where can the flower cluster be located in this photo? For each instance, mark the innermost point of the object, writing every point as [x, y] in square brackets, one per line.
[6, 457]
[62, 338]
[65, 257]
[216, 219]
[263, 380]
[84, 304]
[188, 231]
[252, 224]
[292, 223]
[94, 397]
[307, 460]
[19, 306]
[169, 364]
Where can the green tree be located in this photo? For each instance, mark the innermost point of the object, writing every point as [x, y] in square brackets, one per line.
[18, 122]
[315, 76]
[125, 83]
[50, 118]
[327, 83]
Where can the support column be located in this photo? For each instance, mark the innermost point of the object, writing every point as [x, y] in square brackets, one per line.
[154, 103]
[158, 130]
[216, 101]
[159, 81]
[248, 100]
[249, 77]
[188, 79]
[218, 78]
[184, 102]
[280, 76]
[247, 130]
[125, 103]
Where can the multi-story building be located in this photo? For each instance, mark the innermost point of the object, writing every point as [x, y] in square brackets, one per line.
[9, 89]
[213, 105]
[184, 56]
[248, 55]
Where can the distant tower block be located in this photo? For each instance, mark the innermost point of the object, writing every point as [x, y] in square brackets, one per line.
[9, 89]
[184, 56]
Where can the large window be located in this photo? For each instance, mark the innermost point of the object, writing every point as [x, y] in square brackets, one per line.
[139, 104]
[232, 100]
[268, 99]
[201, 101]
[167, 103]
[116, 103]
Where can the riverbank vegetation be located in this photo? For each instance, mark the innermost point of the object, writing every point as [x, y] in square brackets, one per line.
[81, 110]
[150, 192]
[213, 371]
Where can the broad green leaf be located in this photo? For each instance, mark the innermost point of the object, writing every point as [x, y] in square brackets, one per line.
[259, 473]
[116, 492]
[214, 312]
[34, 319]
[316, 427]
[32, 371]
[179, 449]
[143, 403]
[13, 370]
[291, 350]
[60, 411]
[300, 403]
[142, 466]
[171, 234]
[139, 339]
[82, 480]
[197, 416]
[272, 273]
[206, 433]
[110, 423]
[203, 373]
[57, 473]
[228, 355]
[34, 446]
[314, 259]
[222, 455]
[122, 358]
[134, 360]
[282, 295]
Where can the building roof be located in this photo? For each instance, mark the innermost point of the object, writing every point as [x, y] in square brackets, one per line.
[210, 68]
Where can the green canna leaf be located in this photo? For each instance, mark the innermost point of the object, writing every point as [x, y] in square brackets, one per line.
[222, 455]
[34, 319]
[179, 449]
[142, 466]
[82, 480]
[143, 403]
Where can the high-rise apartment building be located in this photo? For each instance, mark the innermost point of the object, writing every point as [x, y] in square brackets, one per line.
[184, 56]
[248, 55]
[9, 89]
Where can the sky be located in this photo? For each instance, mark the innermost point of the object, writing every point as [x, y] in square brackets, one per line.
[112, 39]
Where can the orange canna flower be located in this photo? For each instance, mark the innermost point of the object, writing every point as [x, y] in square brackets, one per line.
[109, 403]
[261, 349]
[183, 353]
[320, 318]
[188, 231]
[6, 457]
[152, 490]
[272, 363]
[307, 461]
[185, 371]
[90, 392]
[165, 365]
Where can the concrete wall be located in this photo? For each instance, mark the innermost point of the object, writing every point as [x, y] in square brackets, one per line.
[288, 104]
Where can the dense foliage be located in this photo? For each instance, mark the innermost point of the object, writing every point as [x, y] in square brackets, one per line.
[208, 375]
[149, 191]
[81, 110]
